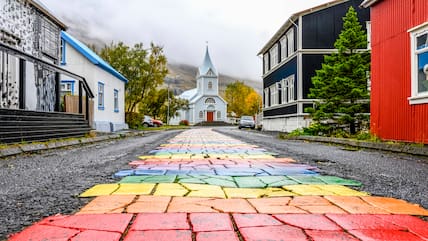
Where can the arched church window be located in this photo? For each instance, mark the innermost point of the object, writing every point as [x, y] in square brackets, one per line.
[210, 85]
[209, 101]
[201, 115]
[218, 114]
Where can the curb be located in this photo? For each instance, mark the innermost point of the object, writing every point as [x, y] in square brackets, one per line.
[18, 149]
[393, 147]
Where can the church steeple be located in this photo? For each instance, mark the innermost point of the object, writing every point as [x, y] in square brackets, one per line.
[207, 67]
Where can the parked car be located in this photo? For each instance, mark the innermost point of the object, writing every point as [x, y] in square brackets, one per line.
[147, 121]
[246, 121]
[157, 123]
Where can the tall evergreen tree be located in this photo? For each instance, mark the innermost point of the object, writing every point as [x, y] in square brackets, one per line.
[341, 84]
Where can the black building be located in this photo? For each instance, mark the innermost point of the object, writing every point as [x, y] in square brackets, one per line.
[291, 57]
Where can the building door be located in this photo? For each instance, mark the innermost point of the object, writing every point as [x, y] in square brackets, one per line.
[210, 116]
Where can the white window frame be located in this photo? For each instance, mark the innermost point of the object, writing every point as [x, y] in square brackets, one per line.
[283, 43]
[284, 92]
[116, 100]
[290, 80]
[266, 62]
[416, 96]
[273, 52]
[101, 96]
[369, 34]
[290, 42]
[266, 97]
[273, 94]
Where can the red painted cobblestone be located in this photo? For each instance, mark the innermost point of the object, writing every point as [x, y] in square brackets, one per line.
[157, 221]
[322, 235]
[254, 220]
[273, 233]
[303, 221]
[213, 222]
[93, 235]
[216, 236]
[167, 235]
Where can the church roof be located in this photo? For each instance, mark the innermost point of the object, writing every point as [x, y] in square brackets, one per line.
[189, 94]
[207, 65]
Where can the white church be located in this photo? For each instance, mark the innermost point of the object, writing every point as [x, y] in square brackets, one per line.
[205, 104]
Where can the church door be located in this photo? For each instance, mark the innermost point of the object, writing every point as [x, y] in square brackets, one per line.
[210, 116]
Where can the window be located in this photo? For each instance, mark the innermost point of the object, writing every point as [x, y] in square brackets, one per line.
[419, 48]
[273, 95]
[288, 89]
[100, 96]
[290, 42]
[283, 43]
[49, 38]
[273, 56]
[63, 50]
[210, 85]
[201, 115]
[209, 101]
[369, 34]
[116, 100]
[284, 91]
[291, 88]
[218, 115]
[266, 97]
[266, 62]
[67, 87]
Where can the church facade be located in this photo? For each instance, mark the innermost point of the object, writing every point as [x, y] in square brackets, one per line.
[205, 104]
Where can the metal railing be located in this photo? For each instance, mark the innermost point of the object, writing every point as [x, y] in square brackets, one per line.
[21, 75]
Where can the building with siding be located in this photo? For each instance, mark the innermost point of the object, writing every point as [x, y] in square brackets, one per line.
[291, 57]
[109, 84]
[399, 91]
[30, 102]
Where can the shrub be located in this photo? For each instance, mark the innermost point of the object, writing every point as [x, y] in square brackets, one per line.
[184, 123]
[133, 119]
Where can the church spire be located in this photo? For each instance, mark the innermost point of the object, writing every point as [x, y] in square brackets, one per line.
[207, 65]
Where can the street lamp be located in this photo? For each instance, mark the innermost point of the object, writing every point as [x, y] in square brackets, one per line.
[167, 113]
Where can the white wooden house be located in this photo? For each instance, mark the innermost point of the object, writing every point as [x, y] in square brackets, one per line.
[108, 84]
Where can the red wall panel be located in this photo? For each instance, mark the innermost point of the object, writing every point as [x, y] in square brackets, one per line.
[392, 117]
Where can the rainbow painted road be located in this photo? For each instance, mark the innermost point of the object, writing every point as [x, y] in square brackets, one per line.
[202, 185]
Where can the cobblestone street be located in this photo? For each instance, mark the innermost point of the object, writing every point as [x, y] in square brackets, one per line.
[203, 185]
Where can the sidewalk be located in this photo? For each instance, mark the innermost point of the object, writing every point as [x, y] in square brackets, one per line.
[21, 148]
[202, 185]
[406, 148]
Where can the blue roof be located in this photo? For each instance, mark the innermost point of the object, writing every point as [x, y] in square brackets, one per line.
[91, 55]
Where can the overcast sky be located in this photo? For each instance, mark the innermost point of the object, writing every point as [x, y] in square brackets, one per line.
[235, 29]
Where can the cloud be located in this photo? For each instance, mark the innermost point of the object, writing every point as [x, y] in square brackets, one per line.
[235, 29]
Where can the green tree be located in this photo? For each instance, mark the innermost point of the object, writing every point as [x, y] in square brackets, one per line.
[144, 68]
[242, 99]
[341, 84]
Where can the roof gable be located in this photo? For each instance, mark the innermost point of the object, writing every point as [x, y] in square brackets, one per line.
[91, 55]
[291, 22]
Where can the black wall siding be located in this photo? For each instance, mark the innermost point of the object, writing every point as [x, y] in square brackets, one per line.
[288, 110]
[310, 63]
[321, 29]
[283, 72]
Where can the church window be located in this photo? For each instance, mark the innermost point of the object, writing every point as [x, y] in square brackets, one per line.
[201, 115]
[210, 85]
[218, 114]
[209, 101]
